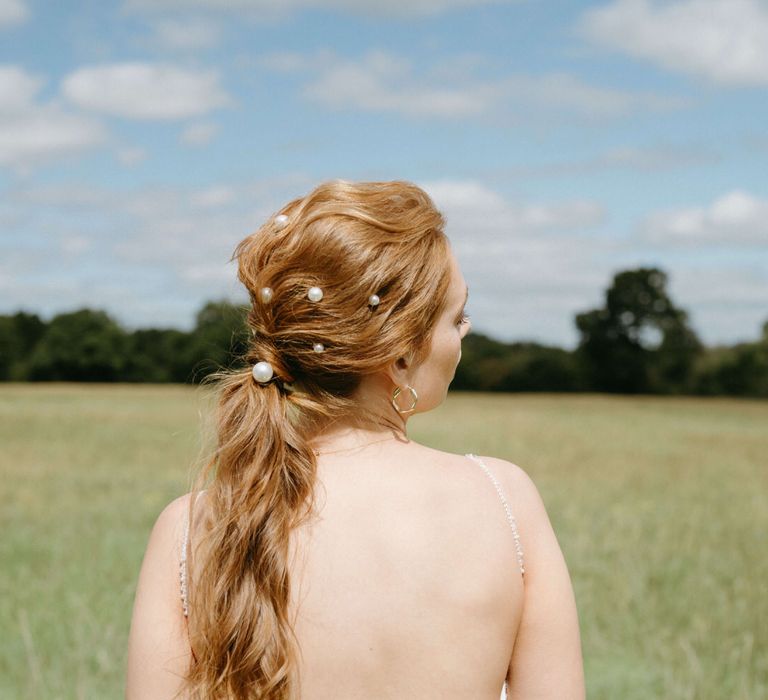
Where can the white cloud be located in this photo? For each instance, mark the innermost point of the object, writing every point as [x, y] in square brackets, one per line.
[185, 34]
[44, 134]
[627, 158]
[294, 62]
[725, 41]
[464, 195]
[726, 301]
[656, 158]
[75, 244]
[170, 227]
[395, 9]
[12, 12]
[131, 155]
[734, 218]
[145, 90]
[563, 91]
[198, 134]
[17, 89]
[32, 132]
[380, 81]
[213, 197]
[468, 198]
[64, 197]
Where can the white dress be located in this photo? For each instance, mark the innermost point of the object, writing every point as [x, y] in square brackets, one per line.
[507, 510]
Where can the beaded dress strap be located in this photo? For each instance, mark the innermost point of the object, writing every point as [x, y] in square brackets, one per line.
[507, 509]
[183, 566]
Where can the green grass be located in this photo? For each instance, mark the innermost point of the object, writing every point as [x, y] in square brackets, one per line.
[660, 506]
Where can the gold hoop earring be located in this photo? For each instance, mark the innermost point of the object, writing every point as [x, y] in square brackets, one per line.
[414, 399]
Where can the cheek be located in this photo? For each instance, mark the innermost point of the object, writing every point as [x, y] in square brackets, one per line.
[451, 351]
[445, 355]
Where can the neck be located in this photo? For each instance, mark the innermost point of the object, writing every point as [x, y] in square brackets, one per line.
[374, 421]
[353, 438]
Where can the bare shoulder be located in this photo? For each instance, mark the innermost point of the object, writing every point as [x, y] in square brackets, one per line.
[170, 522]
[167, 533]
[514, 480]
[158, 650]
[518, 486]
[510, 472]
[539, 541]
[159, 572]
[547, 661]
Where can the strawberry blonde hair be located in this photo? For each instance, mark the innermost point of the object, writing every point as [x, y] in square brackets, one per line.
[352, 240]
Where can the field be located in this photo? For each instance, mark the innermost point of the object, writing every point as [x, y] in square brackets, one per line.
[660, 506]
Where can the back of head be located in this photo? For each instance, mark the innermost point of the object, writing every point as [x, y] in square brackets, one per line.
[352, 241]
[342, 282]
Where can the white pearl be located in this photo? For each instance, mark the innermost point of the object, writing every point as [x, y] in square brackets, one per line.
[315, 294]
[281, 221]
[262, 372]
[374, 300]
[266, 294]
[318, 347]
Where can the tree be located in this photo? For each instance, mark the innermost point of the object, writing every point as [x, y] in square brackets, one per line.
[159, 355]
[639, 341]
[489, 365]
[81, 346]
[482, 363]
[219, 339]
[19, 334]
[738, 370]
[9, 347]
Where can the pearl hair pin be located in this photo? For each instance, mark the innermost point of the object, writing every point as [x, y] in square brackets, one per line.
[266, 294]
[374, 300]
[318, 347]
[314, 294]
[281, 221]
[262, 372]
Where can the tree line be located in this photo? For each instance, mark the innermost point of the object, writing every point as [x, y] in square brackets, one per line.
[638, 341]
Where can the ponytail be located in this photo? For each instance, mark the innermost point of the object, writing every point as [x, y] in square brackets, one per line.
[264, 476]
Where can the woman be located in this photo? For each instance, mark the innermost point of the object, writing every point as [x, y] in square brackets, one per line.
[330, 556]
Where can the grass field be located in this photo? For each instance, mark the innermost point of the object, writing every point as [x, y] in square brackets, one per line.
[660, 506]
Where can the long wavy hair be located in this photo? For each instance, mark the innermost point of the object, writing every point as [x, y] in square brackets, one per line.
[352, 240]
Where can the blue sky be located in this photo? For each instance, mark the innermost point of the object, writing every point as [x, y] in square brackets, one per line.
[140, 140]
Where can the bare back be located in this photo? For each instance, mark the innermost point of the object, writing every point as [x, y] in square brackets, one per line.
[406, 584]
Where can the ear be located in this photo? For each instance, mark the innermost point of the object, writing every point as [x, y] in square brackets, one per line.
[399, 371]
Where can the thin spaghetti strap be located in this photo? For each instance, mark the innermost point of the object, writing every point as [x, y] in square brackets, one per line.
[183, 566]
[183, 571]
[507, 509]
